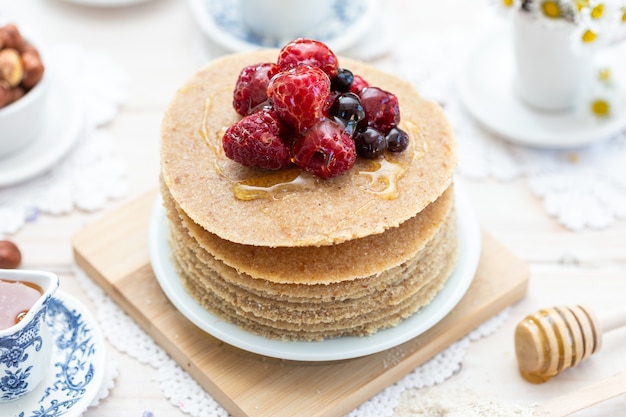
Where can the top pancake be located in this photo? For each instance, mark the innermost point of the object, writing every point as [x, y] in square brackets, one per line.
[200, 177]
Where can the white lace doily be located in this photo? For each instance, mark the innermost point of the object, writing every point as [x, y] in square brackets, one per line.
[90, 174]
[182, 390]
[581, 188]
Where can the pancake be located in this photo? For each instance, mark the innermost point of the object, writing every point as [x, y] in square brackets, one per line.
[291, 256]
[201, 178]
[318, 305]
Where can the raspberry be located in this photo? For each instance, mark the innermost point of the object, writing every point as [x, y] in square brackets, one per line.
[358, 84]
[381, 109]
[251, 88]
[258, 140]
[299, 96]
[325, 150]
[308, 52]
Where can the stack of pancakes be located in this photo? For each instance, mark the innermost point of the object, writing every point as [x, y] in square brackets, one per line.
[317, 258]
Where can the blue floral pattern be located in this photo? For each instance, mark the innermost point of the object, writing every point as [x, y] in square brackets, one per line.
[14, 351]
[74, 365]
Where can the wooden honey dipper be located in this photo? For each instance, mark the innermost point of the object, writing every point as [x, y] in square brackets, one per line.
[556, 338]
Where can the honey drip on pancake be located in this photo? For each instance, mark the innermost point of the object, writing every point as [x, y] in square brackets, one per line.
[385, 173]
[204, 129]
[213, 144]
[272, 185]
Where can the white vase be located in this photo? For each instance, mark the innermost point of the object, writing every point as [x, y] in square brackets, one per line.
[550, 74]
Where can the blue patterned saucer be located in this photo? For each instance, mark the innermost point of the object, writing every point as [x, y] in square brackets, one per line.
[77, 367]
[349, 21]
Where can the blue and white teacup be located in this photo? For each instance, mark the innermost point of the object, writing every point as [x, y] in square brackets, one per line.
[26, 347]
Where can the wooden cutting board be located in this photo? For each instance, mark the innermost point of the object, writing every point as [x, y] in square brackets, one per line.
[114, 252]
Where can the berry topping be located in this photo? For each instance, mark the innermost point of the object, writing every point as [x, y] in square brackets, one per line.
[251, 88]
[308, 52]
[258, 140]
[342, 82]
[306, 110]
[381, 109]
[397, 140]
[299, 96]
[370, 143]
[325, 150]
[358, 84]
[347, 107]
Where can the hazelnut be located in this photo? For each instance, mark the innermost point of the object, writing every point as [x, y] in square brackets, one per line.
[6, 95]
[11, 68]
[10, 255]
[33, 68]
[16, 94]
[29, 47]
[12, 37]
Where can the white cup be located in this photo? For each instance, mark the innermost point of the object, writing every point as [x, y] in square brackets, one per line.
[283, 19]
[550, 74]
[26, 347]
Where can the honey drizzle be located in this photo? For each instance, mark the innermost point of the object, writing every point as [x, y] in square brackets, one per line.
[378, 168]
[204, 129]
[385, 173]
[214, 145]
[272, 185]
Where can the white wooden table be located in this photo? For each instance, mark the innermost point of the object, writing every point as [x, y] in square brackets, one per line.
[155, 43]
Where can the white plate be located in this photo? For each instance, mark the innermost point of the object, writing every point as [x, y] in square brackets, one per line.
[331, 349]
[485, 85]
[77, 368]
[220, 21]
[62, 125]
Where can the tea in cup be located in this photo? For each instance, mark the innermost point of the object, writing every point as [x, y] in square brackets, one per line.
[25, 340]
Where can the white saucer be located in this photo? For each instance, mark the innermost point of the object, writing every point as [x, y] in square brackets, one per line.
[220, 21]
[78, 365]
[62, 126]
[331, 349]
[485, 85]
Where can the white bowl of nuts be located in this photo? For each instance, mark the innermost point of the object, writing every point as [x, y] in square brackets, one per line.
[23, 90]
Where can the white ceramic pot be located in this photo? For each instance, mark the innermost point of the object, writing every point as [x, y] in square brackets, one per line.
[550, 74]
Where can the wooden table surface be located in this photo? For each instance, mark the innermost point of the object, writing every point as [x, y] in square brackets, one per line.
[156, 43]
